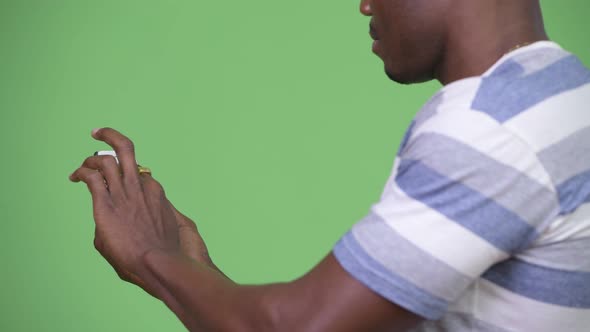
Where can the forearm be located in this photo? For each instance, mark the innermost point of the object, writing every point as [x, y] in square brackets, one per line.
[325, 299]
[204, 299]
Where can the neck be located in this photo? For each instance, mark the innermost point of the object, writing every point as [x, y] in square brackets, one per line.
[475, 42]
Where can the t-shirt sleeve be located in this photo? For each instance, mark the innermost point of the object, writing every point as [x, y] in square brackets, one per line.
[465, 194]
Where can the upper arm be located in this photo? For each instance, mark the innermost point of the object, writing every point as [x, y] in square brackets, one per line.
[461, 200]
[328, 298]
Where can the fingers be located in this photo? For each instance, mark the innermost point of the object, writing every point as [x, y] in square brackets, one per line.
[109, 168]
[95, 182]
[125, 150]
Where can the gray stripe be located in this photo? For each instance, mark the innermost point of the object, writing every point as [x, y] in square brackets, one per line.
[568, 157]
[535, 59]
[402, 257]
[508, 187]
[457, 322]
[406, 138]
[395, 288]
[570, 255]
[465, 206]
[429, 109]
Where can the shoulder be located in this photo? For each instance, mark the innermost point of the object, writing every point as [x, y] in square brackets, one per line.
[520, 100]
[526, 78]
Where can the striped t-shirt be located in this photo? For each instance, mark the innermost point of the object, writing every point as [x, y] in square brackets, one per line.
[484, 224]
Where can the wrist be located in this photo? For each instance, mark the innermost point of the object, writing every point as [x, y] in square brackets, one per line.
[145, 276]
[206, 299]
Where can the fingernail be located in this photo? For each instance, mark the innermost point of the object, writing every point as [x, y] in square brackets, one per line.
[94, 131]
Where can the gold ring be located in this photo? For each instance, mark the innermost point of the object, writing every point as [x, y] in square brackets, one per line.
[143, 170]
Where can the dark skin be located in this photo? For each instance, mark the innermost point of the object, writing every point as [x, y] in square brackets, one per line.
[448, 40]
[151, 244]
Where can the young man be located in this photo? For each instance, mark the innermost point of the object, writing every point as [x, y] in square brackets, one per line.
[484, 224]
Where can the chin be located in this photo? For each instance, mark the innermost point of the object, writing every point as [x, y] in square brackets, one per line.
[398, 77]
[407, 77]
[395, 77]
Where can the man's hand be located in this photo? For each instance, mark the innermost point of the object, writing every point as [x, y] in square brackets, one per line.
[131, 212]
[149, 243]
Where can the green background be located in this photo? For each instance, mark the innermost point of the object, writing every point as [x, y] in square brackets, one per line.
[269, 122]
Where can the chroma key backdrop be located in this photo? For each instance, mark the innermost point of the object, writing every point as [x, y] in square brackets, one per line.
[270, 123]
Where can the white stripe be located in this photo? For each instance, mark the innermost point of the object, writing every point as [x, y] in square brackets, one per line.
[436, 235]
[511, 311]
[486, 135]
[567, 256]
[553, 119]
[575, 225]
[459, 94]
